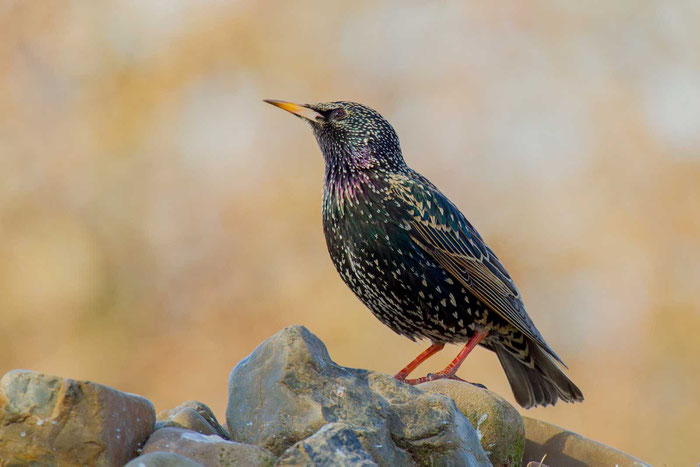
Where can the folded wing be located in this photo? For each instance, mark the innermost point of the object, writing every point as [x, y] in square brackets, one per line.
[442, 231]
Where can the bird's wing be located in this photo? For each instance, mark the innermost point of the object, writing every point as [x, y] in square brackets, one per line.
[441, 230]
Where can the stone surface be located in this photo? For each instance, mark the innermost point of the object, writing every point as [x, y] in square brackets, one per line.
[50, 420]
[288, 389]
[206, 449]
[162, 459]
[191, 415]
[498, 424]
[334, 444]
[567, 448]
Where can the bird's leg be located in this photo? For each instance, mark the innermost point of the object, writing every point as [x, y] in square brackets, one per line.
[451, 369]
[432, 350]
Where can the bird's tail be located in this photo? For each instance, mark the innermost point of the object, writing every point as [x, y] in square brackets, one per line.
[535, 378]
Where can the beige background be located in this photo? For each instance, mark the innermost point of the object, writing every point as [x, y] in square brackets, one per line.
[157, 220]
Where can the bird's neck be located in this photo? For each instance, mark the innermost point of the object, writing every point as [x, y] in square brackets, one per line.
[346, 181]
[352, 187]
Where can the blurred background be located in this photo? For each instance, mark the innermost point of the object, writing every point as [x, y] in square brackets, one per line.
[158, 221]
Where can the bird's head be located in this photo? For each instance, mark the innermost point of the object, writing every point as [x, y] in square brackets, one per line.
[349, 134]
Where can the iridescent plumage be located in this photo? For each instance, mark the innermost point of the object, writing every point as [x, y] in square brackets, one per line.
[415, 261]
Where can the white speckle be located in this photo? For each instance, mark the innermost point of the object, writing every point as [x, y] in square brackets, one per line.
[40, 422]
[23, 434]
[118, 430]
[119, 436]
[340, 391]
[443, 302]
[249, 424]
[453, 301]
[481, 420]
[53, 422]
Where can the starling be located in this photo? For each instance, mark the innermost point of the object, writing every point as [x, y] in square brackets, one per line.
[416, 262]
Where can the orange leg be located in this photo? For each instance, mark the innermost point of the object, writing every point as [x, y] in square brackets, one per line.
[430, 351]
[451, 369]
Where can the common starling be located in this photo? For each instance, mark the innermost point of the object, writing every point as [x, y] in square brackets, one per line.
[416, 262]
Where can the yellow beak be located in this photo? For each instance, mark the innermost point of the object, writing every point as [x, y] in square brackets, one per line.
[296, 109]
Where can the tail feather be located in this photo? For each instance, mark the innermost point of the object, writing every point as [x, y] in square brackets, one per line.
[539, 381]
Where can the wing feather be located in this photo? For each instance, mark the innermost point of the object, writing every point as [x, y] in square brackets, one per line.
[442, 231]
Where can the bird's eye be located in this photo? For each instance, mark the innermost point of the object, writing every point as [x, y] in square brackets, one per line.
[337, 114]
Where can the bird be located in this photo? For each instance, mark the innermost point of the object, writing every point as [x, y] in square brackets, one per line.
[411, 256]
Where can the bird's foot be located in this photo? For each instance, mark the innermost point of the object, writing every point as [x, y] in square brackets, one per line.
[437, 376]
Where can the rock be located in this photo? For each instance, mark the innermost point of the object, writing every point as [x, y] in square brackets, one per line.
[288, 389]
[334, 444]
[206, 449]
[567, 448]
[50, 420]
[498, 424]
[162, 459]
[191, 415]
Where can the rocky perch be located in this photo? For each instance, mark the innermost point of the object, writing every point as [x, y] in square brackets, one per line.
[288, 404]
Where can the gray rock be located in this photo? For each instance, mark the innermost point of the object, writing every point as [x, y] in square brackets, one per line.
[162, 459]
[334, 444]
[563, 447]
[47, 420]
[288, 388]
[191, 415]
[498, 424]
[206, 449]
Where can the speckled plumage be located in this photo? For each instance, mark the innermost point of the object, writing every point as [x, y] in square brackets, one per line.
[413, 258]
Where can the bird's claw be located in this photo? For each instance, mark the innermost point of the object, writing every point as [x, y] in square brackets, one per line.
[437, 376]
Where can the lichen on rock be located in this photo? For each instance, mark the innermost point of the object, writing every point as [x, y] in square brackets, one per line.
[498, 424]
[206, 449]
[47, 420]
[288, 404]
[288, 389]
